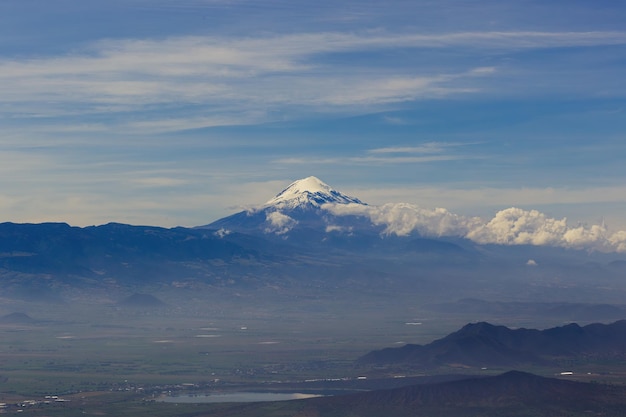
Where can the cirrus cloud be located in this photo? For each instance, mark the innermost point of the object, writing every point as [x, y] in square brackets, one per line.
[226, 73]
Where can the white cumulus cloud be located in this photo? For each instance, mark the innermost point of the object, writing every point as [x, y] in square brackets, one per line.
[515, 226]
[334, 228]
[279, 223]
[402, 219]
[618, 240]
[512, 226]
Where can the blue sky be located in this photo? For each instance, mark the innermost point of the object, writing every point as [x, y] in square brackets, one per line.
[181, 112]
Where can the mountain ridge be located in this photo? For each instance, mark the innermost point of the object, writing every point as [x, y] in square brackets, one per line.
[483, 344]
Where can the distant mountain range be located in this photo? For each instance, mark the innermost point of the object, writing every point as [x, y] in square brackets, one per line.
[133, 252]
[308, 238]
[485, 345]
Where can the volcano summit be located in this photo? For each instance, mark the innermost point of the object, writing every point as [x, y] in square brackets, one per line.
[309, 192]
[299, 206]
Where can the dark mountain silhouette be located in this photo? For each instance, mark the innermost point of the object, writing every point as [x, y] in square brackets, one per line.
[138, 300]
[512, 388]
[17, 318]
[483, 344]
[512, 394]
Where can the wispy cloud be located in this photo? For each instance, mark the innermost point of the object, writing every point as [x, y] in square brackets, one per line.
[158, 182]
[190, 123]
[427, 152]
[369, 160]
[118, 76]
[394, 120]
[426, 148]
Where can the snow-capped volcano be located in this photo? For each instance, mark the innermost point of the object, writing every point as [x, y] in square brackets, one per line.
[307, 192]
[309, 209]
[300, 206]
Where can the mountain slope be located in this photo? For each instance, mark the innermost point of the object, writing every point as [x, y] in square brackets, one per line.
[483, 344]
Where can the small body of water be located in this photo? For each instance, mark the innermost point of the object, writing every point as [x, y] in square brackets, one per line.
[236, 397]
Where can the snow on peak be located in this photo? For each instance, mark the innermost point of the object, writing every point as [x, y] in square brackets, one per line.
[310, 191]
